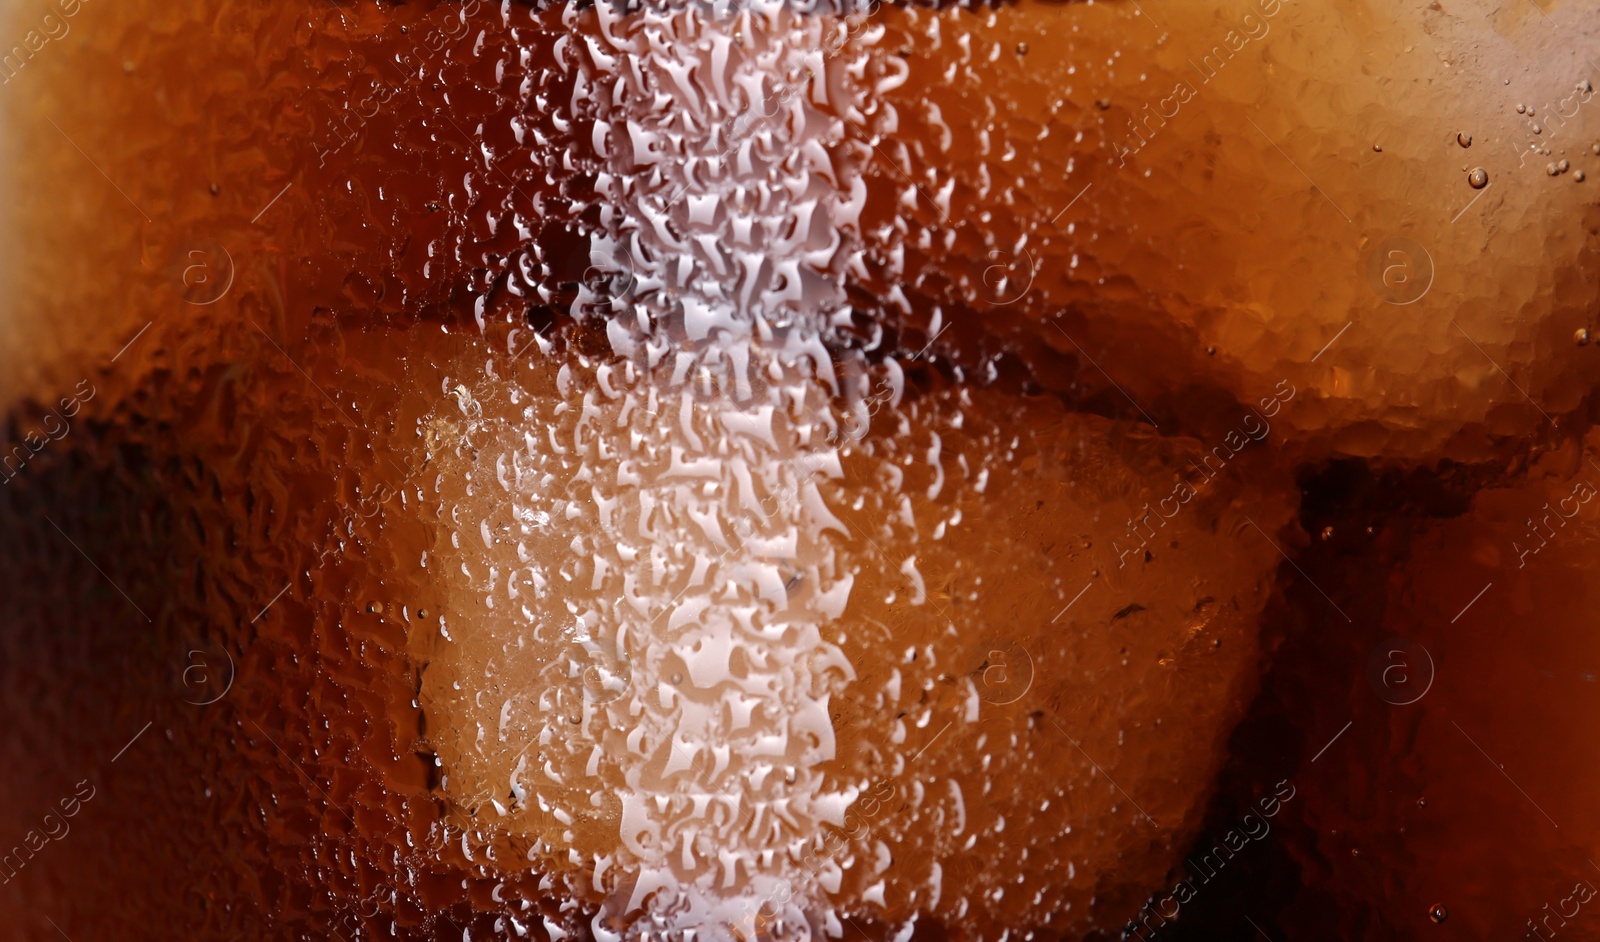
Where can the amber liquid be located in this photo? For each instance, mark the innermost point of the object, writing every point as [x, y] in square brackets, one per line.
[253, 250]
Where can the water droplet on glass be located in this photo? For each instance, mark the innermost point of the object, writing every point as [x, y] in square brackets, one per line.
[1438, 913]
[1464, 139]
[1478, 178]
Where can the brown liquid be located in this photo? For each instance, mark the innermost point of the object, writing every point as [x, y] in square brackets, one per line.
[266, 416]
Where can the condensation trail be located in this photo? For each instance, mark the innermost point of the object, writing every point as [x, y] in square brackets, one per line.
[734, 215]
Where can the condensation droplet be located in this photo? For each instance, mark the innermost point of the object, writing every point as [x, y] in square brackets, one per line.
[1478, 178]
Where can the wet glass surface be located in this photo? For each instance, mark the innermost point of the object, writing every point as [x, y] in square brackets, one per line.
[778, 471]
